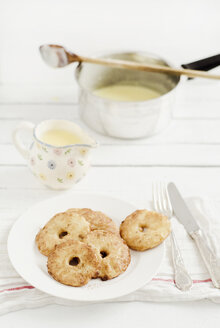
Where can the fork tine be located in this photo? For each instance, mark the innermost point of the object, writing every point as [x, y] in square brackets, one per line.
[159, 197]
[169, 206]
[168, 210]
[155, 196]
[162, 199]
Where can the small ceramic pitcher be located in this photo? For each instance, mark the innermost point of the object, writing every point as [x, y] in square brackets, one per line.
[56, 167]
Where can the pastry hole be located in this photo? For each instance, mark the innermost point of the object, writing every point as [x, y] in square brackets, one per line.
[74, 261]
[63, 234]
[143, 229]
[103, 254]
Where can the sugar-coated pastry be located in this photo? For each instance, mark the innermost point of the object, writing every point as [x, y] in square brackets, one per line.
[63, 226]
[144, 229]
[112, 252]
[73, 263]
[97, 220]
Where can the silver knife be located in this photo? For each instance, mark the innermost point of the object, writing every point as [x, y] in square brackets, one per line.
[185, 217]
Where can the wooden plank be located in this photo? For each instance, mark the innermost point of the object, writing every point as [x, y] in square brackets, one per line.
[194, 99]
[19, 189]
[38, 112]
[158, 155]
[137, 155]
[32, 94]
[197, 99]
[205, 109]
[188, 131]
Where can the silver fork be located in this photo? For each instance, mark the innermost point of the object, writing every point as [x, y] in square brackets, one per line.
[162, 205]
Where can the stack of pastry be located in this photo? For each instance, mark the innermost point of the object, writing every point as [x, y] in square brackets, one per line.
[82, 244]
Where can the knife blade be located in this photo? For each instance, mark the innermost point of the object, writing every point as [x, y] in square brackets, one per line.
[185, 217]
[181, 210]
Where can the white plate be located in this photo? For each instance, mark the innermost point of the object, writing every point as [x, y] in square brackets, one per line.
[31, 265]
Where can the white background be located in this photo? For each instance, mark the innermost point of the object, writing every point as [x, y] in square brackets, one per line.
[178, 30]
[188, 152]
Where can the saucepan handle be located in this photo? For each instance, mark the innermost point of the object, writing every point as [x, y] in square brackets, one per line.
[204, 64]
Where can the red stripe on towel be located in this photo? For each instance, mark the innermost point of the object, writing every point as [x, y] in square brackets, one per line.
[198, 281]
[161, 279]
[171, 280]
[154, 279]
[16, 288]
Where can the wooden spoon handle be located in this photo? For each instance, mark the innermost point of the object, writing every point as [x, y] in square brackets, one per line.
[148, 67]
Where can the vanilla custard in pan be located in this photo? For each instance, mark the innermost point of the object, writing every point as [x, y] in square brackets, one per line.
[126, 92]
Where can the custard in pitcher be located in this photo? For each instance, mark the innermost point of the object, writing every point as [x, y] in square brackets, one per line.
[60, 137]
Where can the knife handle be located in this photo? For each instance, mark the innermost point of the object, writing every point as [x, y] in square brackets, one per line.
[182, 278]
[210, 259]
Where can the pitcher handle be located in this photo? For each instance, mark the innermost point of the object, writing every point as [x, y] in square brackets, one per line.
[19, 144]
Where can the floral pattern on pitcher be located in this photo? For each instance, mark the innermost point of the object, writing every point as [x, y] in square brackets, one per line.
[51, 164]
[71, 162]
[57, 167]
[58, 151]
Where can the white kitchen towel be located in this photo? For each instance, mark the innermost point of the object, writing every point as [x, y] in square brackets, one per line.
[16, 294]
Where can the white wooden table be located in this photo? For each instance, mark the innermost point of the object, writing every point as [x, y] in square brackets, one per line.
[187, 152]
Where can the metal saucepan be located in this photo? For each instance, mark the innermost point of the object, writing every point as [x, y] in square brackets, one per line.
[128, 119]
